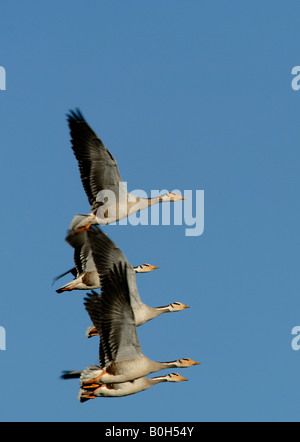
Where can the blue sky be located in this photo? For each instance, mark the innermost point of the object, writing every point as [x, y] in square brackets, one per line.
[186, 95]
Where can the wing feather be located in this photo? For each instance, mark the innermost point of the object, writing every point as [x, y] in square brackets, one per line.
[106, 254]
[98, 169]
[113, 317]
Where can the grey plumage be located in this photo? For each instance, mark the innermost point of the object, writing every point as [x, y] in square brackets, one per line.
[106, 254]
[98, 168]
[113, 317]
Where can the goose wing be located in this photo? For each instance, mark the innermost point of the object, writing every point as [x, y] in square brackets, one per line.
[83, 257]
[77, 242]
[106, 254]
[93, 305]
[98, 168]
[113, 317]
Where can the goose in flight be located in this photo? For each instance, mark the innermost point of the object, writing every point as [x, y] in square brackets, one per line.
[105, 189]
[85, 271]
[121, 357]
[105, 255]
[126, 388]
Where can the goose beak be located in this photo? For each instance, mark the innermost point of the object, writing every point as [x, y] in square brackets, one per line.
[175, 197]
[183, 379]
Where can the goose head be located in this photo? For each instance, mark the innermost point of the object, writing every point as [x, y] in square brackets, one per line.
[171, 197]
[145, 268]
[186, 362]
[177, 307]
[175, 377]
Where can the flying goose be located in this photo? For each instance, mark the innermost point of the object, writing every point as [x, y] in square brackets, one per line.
[126, 388]
[121, 357]
[105, 189]
[106, 254]
[85, 272]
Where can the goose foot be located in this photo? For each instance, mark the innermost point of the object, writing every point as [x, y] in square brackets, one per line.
[83, 229]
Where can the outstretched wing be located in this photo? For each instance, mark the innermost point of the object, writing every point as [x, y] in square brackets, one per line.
[113, 317]
[107, 254]
[98, 168]
[83, 257]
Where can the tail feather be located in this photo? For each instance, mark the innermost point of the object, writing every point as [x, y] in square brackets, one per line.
[82, 396]
[65, 288]
[80, 221]
[70, 285]
[90, 373]
[73, 271]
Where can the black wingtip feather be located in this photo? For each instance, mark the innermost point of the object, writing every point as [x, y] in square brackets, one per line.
[75, 116]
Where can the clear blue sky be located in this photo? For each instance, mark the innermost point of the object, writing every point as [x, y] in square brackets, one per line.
[189, 95]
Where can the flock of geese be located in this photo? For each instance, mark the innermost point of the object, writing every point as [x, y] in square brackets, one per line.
[100, 264]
